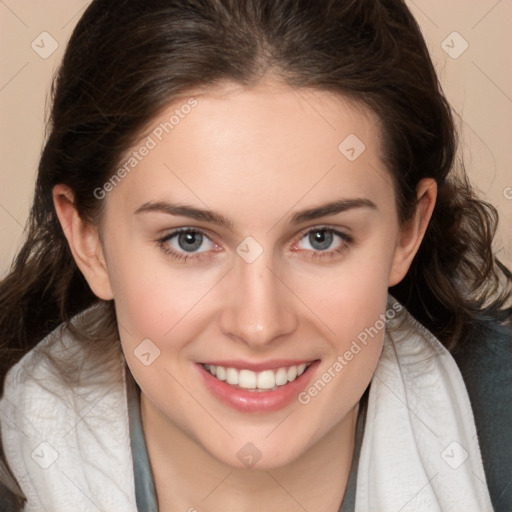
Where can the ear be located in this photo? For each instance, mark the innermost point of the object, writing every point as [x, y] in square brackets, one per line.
[84, 242]
[413, 231]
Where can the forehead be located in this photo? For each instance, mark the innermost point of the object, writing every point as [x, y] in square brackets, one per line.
[270, 143]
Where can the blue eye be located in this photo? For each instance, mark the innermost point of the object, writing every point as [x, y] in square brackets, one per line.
[185, 243]
[189, 241]
[182, 243]
[320, 239]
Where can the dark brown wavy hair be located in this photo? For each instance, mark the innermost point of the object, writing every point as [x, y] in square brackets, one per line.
[127, 59]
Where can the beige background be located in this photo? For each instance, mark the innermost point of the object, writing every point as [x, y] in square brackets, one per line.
[478, 83]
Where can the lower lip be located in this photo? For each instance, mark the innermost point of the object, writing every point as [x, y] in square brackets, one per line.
[257, 401]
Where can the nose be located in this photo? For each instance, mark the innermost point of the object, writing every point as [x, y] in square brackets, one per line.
[260, 305]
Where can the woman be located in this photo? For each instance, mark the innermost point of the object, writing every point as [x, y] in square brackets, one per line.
[248, 256]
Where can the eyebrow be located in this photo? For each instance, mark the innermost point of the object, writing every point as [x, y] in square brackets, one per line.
[212, 217]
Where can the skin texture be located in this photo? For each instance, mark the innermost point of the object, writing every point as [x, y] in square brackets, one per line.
[256, 156]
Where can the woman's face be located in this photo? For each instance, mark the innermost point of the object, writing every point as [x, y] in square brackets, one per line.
[289, 241]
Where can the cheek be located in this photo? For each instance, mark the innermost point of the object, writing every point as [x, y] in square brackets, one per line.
[152, 294]
[351, 296]
[356, 325]
[158, 313]
[157, 309]
[352, 303]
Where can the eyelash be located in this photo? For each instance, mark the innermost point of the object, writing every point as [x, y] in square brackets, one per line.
[347, 240]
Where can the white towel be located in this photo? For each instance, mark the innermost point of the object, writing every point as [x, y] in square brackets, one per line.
[67, 460]
[419, 453]
[420, 449]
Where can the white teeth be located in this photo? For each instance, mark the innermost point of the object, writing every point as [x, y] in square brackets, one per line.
[221, 373]
[267, 379]
[232, 376]
[247, 379]
[292, 373]
[281, 377]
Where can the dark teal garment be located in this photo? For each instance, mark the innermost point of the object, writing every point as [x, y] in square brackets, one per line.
[144, 485]
[485, 362]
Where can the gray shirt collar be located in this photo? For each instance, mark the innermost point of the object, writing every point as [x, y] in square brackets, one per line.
[144, 485]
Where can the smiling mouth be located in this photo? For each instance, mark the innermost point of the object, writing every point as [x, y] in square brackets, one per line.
[267, 380]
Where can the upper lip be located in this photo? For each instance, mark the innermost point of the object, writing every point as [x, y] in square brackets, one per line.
[258, 366]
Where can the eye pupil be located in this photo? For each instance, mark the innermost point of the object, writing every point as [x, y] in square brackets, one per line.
[190, 241]
[322, 237]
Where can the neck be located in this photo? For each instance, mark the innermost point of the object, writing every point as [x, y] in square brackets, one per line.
[187, 477]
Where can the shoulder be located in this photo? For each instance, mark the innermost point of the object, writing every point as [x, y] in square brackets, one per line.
[485, 362]
[47, 418]
[29, 389]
